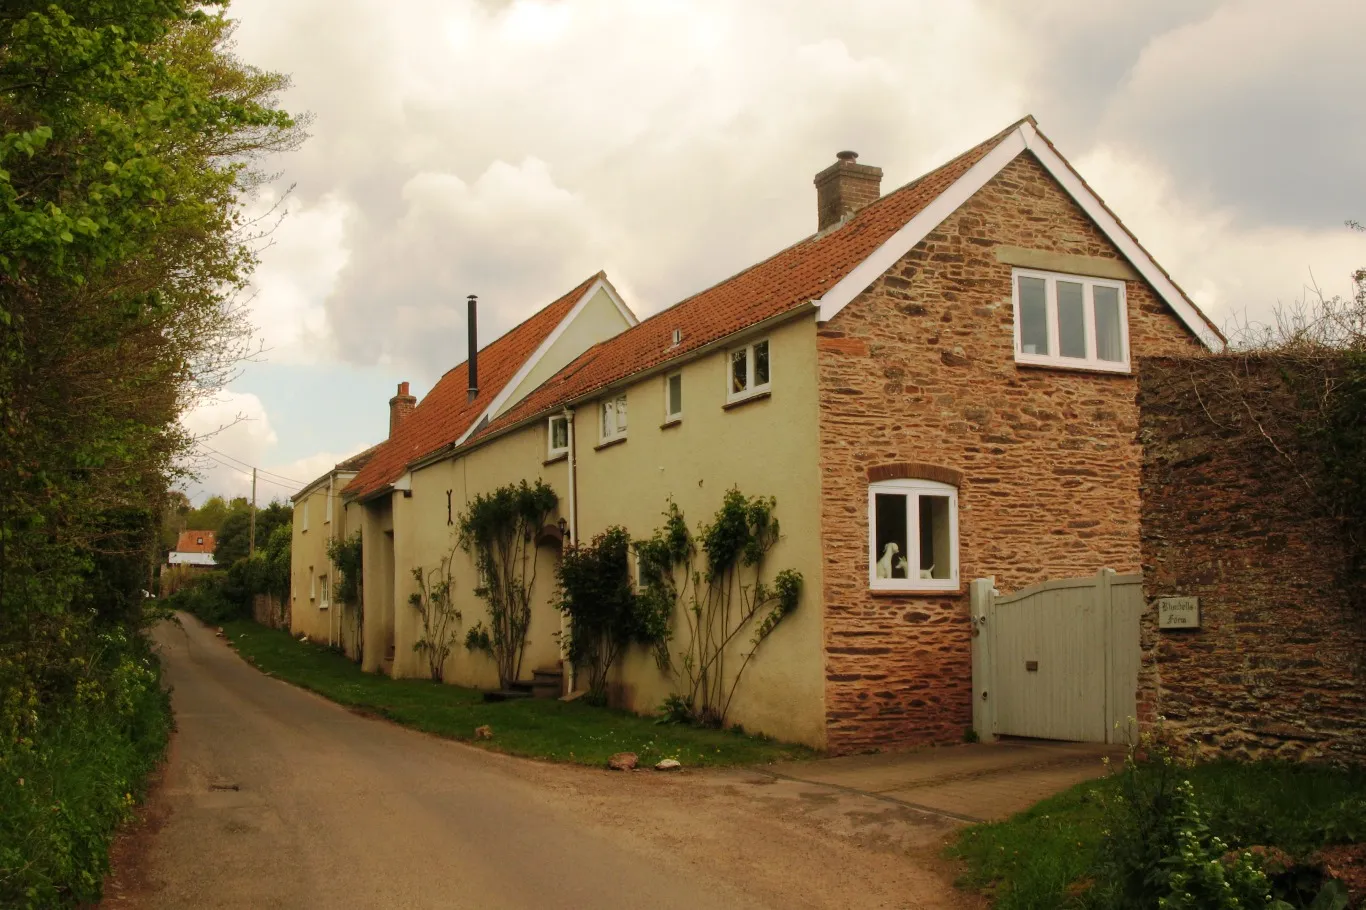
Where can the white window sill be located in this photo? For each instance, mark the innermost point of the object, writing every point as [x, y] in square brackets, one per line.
[944, 587]
[323, 606]
[555, 458]
[608, 443]
[1076, 366]
[757, 395]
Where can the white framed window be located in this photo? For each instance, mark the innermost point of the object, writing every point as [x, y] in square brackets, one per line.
[327, 514]
[303, 514]
[613, 411]
[748, 371]
[557, 435]
[912, 535]
[325, 600]
[673, 397]
[1070, 321]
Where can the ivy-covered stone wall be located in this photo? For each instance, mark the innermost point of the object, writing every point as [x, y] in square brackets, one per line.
[1233, 513]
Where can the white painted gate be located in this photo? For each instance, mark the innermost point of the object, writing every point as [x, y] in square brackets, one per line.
[1057, 660]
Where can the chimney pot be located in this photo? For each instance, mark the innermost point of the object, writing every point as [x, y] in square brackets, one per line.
[401, 406]
[845, 187]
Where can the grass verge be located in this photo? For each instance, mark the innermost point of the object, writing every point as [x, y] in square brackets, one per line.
[536, 728]
[1041, 858]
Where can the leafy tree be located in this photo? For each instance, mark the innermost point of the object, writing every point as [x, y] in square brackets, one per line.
[234, 535]
[128, 135]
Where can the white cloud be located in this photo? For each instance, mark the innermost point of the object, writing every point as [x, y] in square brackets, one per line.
[1236, 272]
[235, 432]
[298, 271]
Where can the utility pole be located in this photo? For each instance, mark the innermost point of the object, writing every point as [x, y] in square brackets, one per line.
[251, 539]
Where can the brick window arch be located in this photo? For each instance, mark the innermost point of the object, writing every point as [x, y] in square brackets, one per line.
[915, 470]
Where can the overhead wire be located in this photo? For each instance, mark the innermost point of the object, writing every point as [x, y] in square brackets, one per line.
[298, 483]
[293, 487]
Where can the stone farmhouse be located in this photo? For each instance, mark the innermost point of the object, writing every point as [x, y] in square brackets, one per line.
[936, 386]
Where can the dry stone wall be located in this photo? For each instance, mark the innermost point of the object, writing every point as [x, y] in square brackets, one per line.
[920, 369]
[1275, 669]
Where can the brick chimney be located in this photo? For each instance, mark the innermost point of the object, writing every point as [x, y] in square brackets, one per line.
[401, 406]
[845, 187]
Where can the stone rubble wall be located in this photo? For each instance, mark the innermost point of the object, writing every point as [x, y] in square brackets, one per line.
[268, 611]
[1276, 668]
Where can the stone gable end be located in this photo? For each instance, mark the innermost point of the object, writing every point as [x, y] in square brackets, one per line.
[920, 370]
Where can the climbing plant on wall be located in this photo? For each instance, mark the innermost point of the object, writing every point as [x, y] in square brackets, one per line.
[434, 601]
[499, 530]
[721, 598]
[346, 556]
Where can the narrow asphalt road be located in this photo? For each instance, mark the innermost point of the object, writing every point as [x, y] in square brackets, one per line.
[274, 797]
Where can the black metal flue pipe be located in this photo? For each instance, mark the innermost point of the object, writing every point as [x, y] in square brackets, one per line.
[473, 301]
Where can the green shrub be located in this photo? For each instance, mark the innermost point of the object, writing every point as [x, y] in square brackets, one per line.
[605, 613]
[66, 785]
[215, 597]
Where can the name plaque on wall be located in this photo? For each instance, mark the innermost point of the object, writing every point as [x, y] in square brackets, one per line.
[1178, 612]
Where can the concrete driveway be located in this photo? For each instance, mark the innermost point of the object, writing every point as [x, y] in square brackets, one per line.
[970, 783]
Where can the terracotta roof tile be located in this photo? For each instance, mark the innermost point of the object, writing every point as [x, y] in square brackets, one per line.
[791, 278]
[358, 461]
[446, 413]
[189, 542]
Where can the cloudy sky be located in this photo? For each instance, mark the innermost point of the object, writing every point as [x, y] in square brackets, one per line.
[511, 148]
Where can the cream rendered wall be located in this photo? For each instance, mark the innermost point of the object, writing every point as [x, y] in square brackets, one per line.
[598, 320]
[376, 520]
[421, 525]
[308, 550]
[766, 447]
[304, 550]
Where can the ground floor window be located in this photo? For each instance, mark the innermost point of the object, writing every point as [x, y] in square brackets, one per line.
[913, 535]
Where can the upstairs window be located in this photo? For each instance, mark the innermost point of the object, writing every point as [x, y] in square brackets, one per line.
[303, 514]
[749, 371]
[673, 397]
[614, 418]
[558, 434]
[1069, 321]
[327, 517]
[912, 536]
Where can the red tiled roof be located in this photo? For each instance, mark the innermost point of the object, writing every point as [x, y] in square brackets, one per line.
[446, 413]
[799, 274]
[189, 542]
[358, 461]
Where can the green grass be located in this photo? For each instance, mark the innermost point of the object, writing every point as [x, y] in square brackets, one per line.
[1030, 861]
[536, 728]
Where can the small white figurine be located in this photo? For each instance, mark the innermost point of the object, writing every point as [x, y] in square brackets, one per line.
[927, 573]
[890, 559]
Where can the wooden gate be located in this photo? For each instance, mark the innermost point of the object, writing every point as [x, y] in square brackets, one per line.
[1057, 660]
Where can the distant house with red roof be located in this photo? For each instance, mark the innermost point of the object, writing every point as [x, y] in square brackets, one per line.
[937, 385]
[193, 548]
